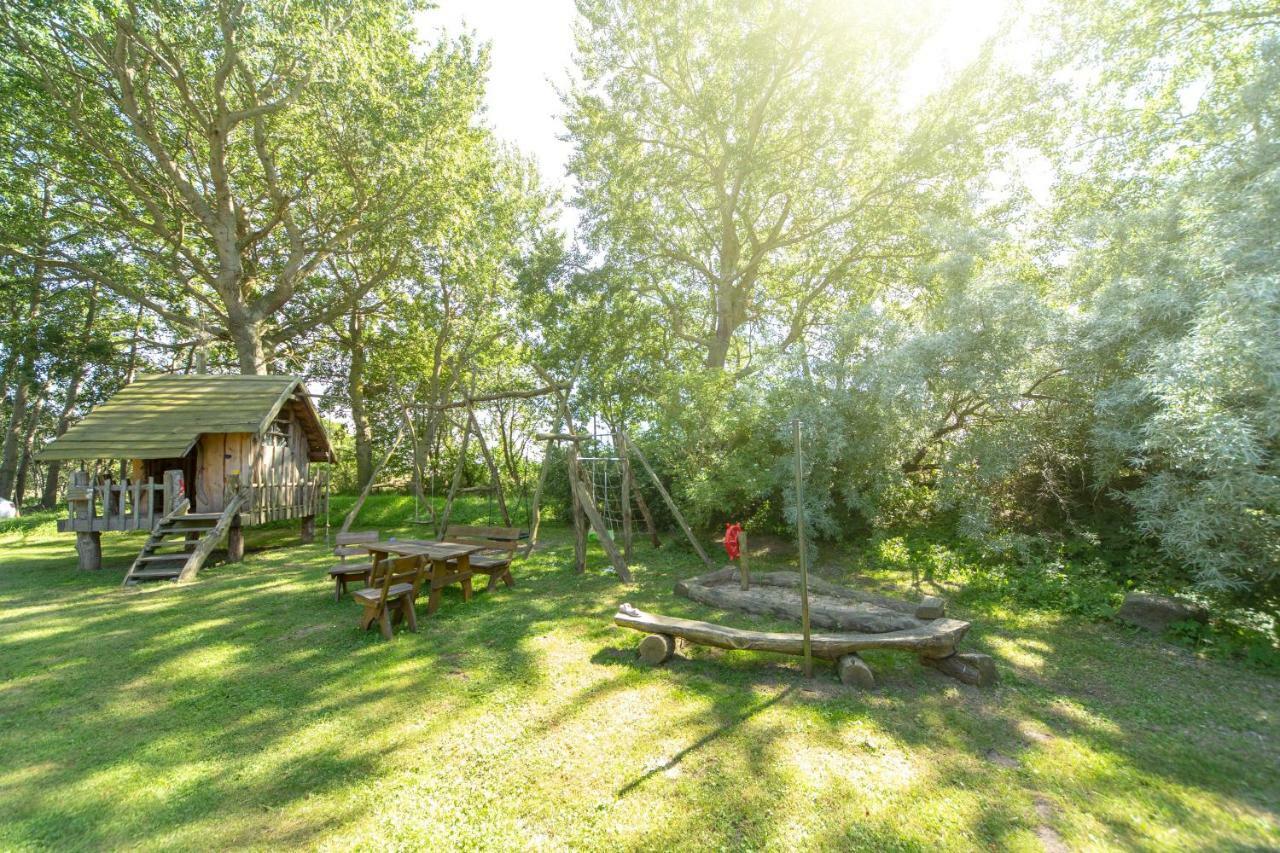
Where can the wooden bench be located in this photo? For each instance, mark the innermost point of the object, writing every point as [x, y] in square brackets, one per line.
[352, 545]
[500, 545]
[394, 587]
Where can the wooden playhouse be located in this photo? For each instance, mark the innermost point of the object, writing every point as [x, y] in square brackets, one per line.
[205, 455]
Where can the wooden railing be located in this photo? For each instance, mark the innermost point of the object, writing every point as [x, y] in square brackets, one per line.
[134, 505]
[124, 505]
[275, 501]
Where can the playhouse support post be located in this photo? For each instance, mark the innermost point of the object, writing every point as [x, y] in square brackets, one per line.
[308, 531]
[89, 549]
[235, 541]
[80, 501]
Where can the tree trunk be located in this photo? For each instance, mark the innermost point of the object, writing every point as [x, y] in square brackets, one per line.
[25, 461]
[13, 433]
[49, 497]
[355, 390]
[133, 348]
[7, 374]
[718, 347]
[22, 390]
[247, 336]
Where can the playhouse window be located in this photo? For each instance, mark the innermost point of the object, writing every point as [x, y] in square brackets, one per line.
[278, 433]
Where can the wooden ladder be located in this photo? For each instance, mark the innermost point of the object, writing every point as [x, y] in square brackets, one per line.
[194, 534]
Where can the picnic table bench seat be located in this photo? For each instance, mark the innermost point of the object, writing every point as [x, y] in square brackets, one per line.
[499, 543]
[392, 592]
[346, 572]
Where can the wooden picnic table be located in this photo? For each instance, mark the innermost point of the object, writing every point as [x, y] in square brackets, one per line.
[443, 563]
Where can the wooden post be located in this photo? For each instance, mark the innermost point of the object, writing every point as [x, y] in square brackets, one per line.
[586, 502]
[625, 472]
[419, 496]
[88, 542]
[535, 511]
[602, 531]
[373, 478]
[235, 540]
[235, 533]
[455, 484]
[174, 487]
[744, 574]
[643, 506]
[804, 565]
[89, 549]
[491, 465]
[671, 504]
[579, 527]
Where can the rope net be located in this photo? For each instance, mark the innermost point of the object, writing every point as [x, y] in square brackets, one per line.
[605, 469]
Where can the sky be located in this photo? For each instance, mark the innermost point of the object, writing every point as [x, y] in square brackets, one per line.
[531, 50]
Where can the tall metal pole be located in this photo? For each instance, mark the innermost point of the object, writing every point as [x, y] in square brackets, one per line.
[804, 563]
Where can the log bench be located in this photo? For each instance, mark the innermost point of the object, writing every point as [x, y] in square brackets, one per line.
[934, 642]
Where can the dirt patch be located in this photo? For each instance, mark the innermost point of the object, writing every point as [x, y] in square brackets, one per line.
[299, 633]
[765, 547]
[997, 757]
[1048, 836]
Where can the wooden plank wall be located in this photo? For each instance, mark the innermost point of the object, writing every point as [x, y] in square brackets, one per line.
[219, 455]
[278, 473]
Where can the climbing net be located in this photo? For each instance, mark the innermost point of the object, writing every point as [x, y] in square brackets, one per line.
[605, 469]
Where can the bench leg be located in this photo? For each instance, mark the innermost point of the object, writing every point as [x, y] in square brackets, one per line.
[433, 600]
[339, 587]
[508, 579]
[493, 582]
[466, 589]
[410, 617]
[367, 618]
[384, 622]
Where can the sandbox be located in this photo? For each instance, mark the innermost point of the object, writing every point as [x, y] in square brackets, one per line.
[854, 621]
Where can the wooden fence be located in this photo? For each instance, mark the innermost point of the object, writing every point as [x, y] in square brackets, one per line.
[124, 505]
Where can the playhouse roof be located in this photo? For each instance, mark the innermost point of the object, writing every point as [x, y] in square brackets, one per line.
[161, 416]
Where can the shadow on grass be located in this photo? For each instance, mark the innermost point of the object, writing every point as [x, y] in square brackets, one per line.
[195, 715]
[736, 720]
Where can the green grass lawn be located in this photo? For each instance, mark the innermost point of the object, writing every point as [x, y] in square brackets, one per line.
[247, 710]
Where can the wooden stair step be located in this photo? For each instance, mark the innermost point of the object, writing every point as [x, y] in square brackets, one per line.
[182, 565]
[151, 574]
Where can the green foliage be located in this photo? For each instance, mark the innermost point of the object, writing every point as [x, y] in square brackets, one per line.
[751, 166]
[1229, 640]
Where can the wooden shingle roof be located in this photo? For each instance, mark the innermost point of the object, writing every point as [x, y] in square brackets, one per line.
[161, 416]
